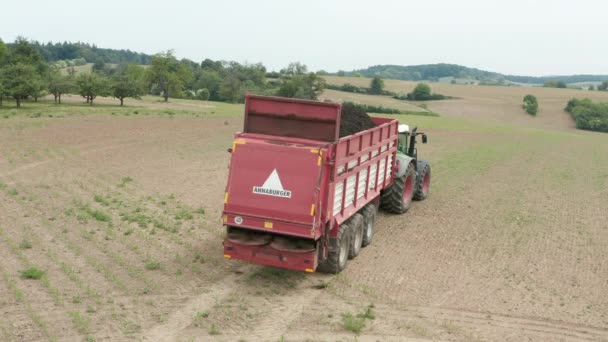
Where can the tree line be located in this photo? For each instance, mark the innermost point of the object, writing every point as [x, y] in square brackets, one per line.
[26, 74]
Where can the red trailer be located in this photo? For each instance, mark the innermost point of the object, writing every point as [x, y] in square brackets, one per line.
[300, 197]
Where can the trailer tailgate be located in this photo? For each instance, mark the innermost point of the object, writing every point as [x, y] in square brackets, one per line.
[271, 184]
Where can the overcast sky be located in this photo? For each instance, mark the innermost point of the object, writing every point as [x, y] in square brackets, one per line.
[542, 37]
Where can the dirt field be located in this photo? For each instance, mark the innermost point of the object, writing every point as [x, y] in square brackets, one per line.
[121, 210]
[488, 103]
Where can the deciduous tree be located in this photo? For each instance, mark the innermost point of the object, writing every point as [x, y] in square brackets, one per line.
[20, 81]
[376, 86]
[91, 85]
[166, 74]
[128, 81]
[59, 84]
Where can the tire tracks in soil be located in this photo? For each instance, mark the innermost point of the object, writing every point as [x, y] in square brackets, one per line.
[182, 317]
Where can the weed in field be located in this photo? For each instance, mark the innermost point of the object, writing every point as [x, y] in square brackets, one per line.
[152, 265]
[25, 244]
[13, 192]
[199, 317]
[76, 300]
[183, 214]
[32, 273]
[138, 217]
[99, 215]
[2, 186]
[353, 323]
[198, 257]
[81, 323]
[213, 330]
[356, 323]
[129, 231]
[450, 327]
[101, 200]
[124, 181]
[369, 313]
[91, 309]
[200, 211]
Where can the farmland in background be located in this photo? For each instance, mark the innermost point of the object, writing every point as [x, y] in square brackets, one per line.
[119, 208]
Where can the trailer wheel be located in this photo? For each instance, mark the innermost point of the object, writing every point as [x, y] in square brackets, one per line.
[397, 198]
[423, 180]
[356, 224]
[338, 252]
[369, 220]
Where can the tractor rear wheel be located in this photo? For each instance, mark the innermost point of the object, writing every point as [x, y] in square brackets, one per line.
[356, 224]
[397, 198]
[423, 180]
[369, 219]
[338, 251]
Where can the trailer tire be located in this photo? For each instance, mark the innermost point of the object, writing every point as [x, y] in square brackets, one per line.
[369, 220]
[356, 224]
[423, 180]
[338, 252]
[397, 198]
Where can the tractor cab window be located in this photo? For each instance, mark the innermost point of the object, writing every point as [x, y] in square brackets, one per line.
[403, 138]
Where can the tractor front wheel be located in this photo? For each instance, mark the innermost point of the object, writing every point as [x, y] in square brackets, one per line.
[423, 180]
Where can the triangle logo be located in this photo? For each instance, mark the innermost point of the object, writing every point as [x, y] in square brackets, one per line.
[272, 187]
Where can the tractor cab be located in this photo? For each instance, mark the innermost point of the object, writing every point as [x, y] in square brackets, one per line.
[407, 140]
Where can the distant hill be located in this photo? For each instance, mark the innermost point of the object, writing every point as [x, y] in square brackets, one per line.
[434, 72]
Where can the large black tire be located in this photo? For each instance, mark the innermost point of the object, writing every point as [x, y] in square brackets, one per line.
[369, 220]
[338, 252]
[356, 232]
[423, 180]
[397, 198]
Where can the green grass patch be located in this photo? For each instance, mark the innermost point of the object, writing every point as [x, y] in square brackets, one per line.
[32, 273]
[199, 317]
[152, 265]
[81, 323]
[99, 215]
[138, 217]
[124, 181]
[25, 244]
[183, 214]
[214, 330]
[102, 200]
[353, 323]
[356, 323]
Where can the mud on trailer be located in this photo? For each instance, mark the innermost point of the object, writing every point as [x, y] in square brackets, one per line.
[301, 197]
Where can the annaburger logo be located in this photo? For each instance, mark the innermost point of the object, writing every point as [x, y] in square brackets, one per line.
[272, 187]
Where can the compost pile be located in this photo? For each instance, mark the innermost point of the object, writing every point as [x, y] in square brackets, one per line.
[354, 119]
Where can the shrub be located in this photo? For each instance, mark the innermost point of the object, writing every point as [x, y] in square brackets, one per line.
[203, 94]
[531, 104]
[554, 84]
[588, 115]
[422, 92]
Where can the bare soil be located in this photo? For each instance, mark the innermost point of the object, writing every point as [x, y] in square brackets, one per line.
[123, 215]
